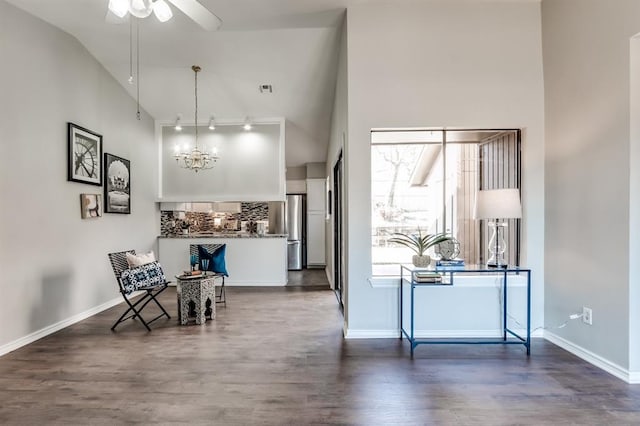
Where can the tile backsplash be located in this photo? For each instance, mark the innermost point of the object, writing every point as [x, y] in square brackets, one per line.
[171, 224]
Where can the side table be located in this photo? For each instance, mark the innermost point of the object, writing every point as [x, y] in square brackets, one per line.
[200, 292]
[409, 284]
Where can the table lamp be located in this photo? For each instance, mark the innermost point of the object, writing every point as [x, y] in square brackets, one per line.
[497, 204]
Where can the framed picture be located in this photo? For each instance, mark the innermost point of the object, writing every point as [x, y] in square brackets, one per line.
[90, 205]
[85, 155]
[117, 187]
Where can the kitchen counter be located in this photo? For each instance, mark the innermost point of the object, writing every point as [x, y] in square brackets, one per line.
[251, 260]
[225, 235]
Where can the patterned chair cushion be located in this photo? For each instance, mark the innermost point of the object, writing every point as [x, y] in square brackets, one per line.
[140, 277]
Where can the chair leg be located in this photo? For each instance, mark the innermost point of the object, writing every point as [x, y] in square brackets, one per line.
[152, 296]
[144, 300]
[136, 312]
[222, 298]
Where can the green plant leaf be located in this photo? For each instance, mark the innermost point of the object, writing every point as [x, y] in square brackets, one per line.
[419, 243]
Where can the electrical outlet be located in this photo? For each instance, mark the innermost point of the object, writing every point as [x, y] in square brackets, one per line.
[587, 315]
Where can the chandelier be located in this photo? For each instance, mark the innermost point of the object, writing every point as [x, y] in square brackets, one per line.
[196, 160]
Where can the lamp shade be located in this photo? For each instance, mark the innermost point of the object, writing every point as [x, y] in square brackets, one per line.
[498, 204]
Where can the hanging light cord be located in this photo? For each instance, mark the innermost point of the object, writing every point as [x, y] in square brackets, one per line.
[138, 66]
[131, 50]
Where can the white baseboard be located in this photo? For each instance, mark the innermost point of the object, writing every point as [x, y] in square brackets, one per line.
[594, 359]
[37, 335]
[253, 284]
[350, 333]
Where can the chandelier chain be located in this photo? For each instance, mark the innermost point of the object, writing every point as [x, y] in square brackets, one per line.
[195, 70]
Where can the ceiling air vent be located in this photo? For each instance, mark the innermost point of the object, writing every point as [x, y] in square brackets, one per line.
[266, 88]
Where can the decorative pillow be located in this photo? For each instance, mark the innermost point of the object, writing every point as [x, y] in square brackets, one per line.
[140, 259]
[216, 259]
[148, 275]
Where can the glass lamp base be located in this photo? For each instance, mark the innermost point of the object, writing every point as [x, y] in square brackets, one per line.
[497, 245]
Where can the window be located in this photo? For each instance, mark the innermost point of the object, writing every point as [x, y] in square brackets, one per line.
[428, 179]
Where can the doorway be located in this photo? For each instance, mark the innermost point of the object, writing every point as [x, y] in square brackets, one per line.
[338, 235]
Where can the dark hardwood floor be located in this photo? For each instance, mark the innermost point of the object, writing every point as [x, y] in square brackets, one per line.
[276, 356]
[308, 278]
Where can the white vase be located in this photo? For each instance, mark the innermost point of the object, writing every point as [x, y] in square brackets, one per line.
[421, 261]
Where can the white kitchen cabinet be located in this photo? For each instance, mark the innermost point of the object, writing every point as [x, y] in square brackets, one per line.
[315, 195]
[175, 207]
[315, 239]
[316, 222]
[201, 207]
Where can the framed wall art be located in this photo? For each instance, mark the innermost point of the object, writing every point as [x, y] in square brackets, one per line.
[90, 205]
[117, 187]
[85, 155]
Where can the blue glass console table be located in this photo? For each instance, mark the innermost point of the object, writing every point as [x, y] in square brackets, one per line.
[409, 280]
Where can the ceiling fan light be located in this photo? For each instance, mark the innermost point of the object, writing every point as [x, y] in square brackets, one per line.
[119, 7]
[140, 8]
[162, 10]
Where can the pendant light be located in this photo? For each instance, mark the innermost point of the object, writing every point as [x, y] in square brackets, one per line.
[196, 160]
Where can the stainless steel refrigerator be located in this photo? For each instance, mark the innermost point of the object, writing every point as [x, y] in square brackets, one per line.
[295, 229]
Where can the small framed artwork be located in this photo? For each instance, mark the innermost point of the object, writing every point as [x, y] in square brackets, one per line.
[90, 205]
[85, 155]
[117, 187]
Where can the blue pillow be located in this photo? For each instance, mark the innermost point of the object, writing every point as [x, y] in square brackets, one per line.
[216, 259]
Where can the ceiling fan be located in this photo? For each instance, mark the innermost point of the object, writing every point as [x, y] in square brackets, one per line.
[143, 8]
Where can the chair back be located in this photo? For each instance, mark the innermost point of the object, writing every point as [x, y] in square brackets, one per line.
[119, 263]
[193, 249]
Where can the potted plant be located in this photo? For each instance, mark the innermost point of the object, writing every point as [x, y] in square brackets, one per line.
[419, 243]
[185, 227]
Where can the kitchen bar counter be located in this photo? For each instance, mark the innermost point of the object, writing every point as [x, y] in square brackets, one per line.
[225, 235]
[251, 260]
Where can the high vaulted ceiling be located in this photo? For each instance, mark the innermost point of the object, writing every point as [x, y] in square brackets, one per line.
[290, 44]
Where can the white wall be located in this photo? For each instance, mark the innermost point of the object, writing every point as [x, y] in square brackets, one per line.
[589, 254]
[54, 264]
[634, 208]
[256, 156]
[455, 64]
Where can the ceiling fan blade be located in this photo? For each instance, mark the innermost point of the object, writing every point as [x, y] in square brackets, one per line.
[200, 14]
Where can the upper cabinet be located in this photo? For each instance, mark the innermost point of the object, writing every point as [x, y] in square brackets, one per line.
[251, 166]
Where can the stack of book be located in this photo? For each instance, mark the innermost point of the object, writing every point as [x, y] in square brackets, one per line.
[427, 277]
[452, 263]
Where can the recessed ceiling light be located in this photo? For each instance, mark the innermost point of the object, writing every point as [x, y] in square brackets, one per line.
[266, 88]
